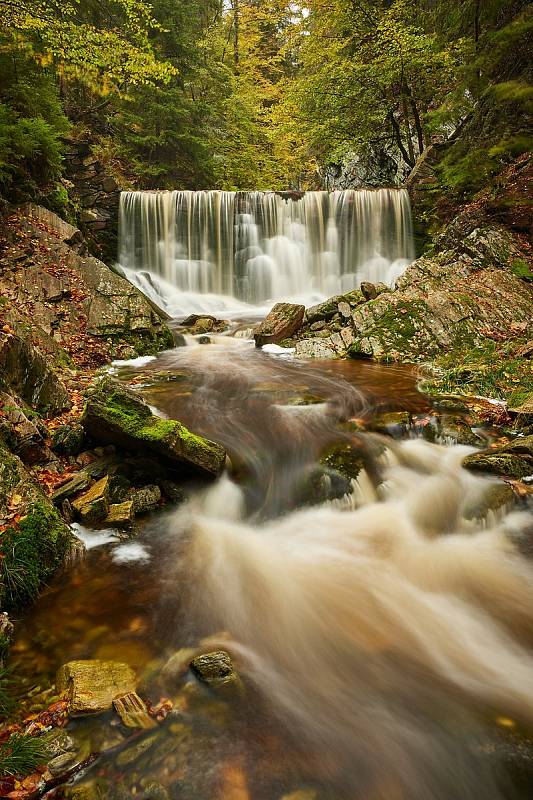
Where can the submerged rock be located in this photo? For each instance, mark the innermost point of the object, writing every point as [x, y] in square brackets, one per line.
[115, 413]
[280, 323]
[215, 669]
[132, 711]
[91, 686]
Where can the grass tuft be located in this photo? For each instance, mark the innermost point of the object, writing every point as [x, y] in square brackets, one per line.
[21, 754]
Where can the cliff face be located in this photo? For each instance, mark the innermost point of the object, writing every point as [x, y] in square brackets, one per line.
[69, 304]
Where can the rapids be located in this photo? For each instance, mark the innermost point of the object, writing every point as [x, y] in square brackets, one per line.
[384, 636]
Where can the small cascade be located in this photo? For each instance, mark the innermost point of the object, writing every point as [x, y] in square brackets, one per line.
[262, 246]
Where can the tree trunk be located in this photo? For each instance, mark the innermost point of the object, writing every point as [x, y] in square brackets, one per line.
[418, 125]
[236, 33]
[398, 136]
[405, 111]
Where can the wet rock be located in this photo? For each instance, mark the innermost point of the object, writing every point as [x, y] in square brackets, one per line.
[77, 483]
[58, 742]
[344, 459]
[91, 686]
[92, 506]
[319, 485]
[177, 665]
[498, 463]
[136, 750]
[24, 369]
[523, 413]
[215, 669]
[198, 324]
[146, 499]
[173, 491]
[68, 440]
[371, 290]
[60, 764]
[301, 794]
[152, 790]
[204, 340]
[21, 434]
[496, 496]
[280, 323]
[132, 711]
[522, 445]
[457, 429]
[393, 423]
[115, 413]
[120, 515]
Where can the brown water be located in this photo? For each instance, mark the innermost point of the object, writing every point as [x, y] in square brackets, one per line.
[384, 638]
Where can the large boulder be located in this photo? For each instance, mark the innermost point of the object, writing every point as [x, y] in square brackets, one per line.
[24, 370]
[280, 323]
[116, 414]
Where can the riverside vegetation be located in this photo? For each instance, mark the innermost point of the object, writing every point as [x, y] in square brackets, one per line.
[239, 95]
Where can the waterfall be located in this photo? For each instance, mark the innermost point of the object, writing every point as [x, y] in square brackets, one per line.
[264, 246]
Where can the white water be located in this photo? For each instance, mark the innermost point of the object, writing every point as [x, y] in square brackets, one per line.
[381, 636]
[214, 251]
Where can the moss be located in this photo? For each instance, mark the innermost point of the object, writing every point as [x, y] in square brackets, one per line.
[490, 369]
[522, 269]
[138, 421]
[31, 553]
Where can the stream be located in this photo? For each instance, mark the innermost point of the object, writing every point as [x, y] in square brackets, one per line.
[382, 630]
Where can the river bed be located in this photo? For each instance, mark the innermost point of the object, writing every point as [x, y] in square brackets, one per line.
[384, 639]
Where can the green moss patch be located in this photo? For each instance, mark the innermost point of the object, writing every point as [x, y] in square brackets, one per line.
[31, 551]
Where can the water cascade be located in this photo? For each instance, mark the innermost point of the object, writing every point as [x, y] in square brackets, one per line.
[261, 246]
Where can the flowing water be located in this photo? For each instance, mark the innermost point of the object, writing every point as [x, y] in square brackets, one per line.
[221, 251]
[384, 636]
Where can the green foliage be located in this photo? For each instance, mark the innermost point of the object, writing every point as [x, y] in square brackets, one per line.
[21, 754]
[522, 269]
[7, 702]
[31, 552]
[31, 124]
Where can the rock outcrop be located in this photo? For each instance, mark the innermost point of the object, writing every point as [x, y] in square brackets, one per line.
[463, 293]
[72, 305]
[116, 414]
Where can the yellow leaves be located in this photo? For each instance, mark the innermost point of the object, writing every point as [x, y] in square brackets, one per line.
[15, 501]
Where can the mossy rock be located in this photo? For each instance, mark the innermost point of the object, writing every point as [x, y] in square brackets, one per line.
[498, 463]
[345, 460]
[68, 440]
[36, 544]
[115, 414]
